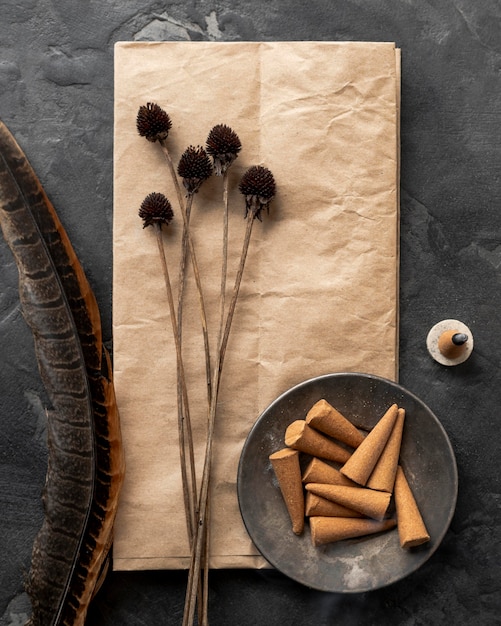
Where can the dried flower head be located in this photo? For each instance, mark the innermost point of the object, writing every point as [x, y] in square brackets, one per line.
[156, 209]
[153, 122]
[194, 167]
[223, 145]
[258, 187]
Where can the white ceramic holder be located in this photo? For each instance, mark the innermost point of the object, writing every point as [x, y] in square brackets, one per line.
[450, 342]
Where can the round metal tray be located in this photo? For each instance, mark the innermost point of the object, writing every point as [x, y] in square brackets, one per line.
[365, 563]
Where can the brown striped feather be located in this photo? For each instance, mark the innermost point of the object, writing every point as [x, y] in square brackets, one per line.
[86, 464]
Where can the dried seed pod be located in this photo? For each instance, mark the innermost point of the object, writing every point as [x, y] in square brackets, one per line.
[194, 167]
[258, 187]
[156, 208]
[152, 122]
[223, 145]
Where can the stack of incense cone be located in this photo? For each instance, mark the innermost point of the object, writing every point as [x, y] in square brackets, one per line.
[350, 478]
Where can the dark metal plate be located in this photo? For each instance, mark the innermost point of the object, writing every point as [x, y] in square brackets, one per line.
[352, 565]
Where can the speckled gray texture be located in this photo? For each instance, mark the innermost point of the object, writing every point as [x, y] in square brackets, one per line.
[56, 96]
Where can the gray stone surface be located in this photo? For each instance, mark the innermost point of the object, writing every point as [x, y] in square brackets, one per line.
[56, 96]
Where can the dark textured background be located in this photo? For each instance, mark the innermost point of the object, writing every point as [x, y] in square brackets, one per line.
[56, 96]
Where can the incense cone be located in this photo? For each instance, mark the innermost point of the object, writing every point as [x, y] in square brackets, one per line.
[318, 471]
[317, 506]
[363, 460]
[366, 501]
[447, 346]
[285, 463]
[328, 420]
[329, 529]
[383, 475]
[411, 528]
[301, 437]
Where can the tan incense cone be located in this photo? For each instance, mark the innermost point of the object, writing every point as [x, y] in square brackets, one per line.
[318, 506]
[383, 475]
[318, 471]
[302, 437]
[363, 460]
[452, 343]
[329, 529]
[411, 528]
[325, 418]
[285, 463]
[366, 501]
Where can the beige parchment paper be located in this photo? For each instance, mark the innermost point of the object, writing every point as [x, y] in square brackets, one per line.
[320, 288]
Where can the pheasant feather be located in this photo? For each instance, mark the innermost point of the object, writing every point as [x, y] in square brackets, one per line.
[85, 457]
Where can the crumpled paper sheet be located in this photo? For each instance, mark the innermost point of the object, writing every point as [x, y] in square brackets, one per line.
[320, 288]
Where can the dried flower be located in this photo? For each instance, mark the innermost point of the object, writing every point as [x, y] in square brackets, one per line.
[156, 209]
[194, 167]
[153, 122]
[223, 145]
[258, 187]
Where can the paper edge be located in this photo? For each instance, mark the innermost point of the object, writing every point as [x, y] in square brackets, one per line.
[182, 563]
[398, 70]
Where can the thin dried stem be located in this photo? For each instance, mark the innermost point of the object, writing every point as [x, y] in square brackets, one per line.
[182, 270]
[194, 263]
[187, 239]
[196, 554]
[189, 485]
[187, 439]
[224, 265]
[203, 590]
[222, 303]
[172, 169]
[204, 620]
[233, 302]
